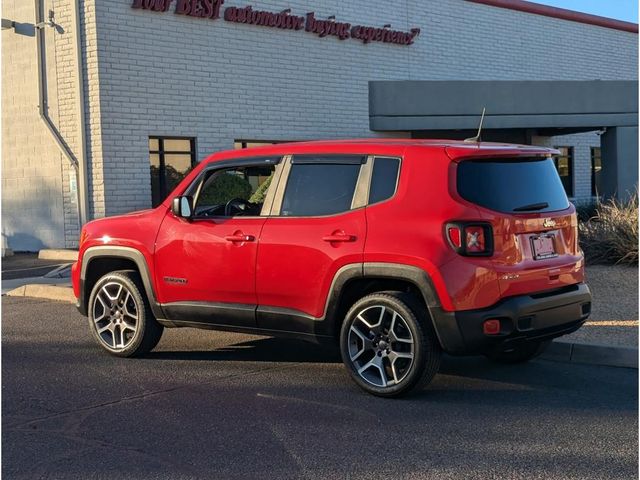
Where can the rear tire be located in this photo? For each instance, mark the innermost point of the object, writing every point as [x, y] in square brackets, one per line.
[520, 354]
[120, 317]
[388, 344]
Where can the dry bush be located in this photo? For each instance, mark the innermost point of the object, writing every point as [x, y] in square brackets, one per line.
[611, 235]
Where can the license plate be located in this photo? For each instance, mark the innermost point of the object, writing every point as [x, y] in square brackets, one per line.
[543, 247]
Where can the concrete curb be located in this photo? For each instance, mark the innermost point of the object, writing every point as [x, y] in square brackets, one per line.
[8, 285]
[58, 254]
[48, 292]
[592, 354]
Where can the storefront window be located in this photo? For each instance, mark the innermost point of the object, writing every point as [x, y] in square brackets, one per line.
[596, 168]
[170, 160]
[564, 164]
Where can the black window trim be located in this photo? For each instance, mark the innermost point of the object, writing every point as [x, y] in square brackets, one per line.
[194, 188]
[364, 179]
[332, 159]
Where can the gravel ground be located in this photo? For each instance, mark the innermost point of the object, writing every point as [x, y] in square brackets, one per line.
[615, 299]
[615, 292]
[604, 335]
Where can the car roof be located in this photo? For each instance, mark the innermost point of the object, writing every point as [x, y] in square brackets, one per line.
[455, 149]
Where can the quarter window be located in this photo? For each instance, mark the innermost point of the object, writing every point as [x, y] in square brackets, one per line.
[564, 164]
[170, 158]
[315, 189]
[383, 179]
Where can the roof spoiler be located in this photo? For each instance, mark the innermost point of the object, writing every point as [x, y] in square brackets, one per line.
[476, 151]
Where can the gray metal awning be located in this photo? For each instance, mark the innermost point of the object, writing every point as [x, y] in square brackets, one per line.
[456, 105]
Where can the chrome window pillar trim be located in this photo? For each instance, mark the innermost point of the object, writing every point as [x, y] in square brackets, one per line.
[278, 198]
[361, 193]
[269, 199]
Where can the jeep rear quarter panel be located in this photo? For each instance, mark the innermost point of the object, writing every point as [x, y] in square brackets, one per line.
[409, 229]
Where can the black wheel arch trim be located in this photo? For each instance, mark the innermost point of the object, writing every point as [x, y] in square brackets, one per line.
[128, 253]
[444, 323]
[273, 319]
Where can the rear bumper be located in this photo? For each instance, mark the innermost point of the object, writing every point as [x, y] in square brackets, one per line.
[534, 317]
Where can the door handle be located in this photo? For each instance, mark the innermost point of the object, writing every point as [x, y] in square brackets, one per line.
[239, 237]
[339, 238]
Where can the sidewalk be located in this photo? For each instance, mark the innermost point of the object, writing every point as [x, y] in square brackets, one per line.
[22, 265]
[610, 343]
[25, 274]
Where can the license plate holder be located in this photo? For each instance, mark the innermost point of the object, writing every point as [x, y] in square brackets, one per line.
[543, 246]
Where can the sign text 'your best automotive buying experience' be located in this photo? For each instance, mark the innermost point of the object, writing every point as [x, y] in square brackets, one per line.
[284, 20]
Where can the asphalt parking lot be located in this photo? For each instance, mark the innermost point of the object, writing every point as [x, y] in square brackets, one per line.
[220, 405]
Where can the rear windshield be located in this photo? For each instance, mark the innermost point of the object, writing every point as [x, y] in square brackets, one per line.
[512, 185]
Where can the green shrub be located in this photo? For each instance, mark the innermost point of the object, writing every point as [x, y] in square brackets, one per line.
[224, 187]
[261, 191]
[610, 236]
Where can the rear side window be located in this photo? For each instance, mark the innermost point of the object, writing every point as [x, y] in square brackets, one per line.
[512, 185]
[315, 189]
[383, 179]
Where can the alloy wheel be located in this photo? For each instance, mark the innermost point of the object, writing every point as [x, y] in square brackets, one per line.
[115, 314]
[381, 346]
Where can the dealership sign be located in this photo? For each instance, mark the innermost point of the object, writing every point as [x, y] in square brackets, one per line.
[284, 20]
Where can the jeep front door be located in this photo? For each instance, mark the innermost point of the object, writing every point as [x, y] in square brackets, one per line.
[205, 265]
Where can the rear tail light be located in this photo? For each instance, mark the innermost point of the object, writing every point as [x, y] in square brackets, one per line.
[470, 239]
[455, 236]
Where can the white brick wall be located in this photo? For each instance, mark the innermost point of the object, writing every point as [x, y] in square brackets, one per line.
[32, 199]
[167, 74]
[148, 73]
[64, 62]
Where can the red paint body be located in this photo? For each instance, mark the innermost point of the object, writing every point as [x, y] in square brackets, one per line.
[290, 265]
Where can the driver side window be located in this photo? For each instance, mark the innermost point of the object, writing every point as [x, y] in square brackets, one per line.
[232, 192]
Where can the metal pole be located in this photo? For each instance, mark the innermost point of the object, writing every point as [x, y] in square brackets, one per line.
[43, 109]
[83, 182]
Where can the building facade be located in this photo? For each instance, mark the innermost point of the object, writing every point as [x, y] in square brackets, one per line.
[134, 92]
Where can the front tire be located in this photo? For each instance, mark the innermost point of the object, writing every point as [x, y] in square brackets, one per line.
[388, 344]
[520, 354]
[120, 318]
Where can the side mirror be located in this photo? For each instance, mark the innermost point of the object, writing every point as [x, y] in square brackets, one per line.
[182, 206]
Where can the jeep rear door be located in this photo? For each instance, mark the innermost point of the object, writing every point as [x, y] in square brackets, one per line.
[317, 226]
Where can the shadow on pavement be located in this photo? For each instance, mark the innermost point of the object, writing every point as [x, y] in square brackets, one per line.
[260, 350]
[506, 381]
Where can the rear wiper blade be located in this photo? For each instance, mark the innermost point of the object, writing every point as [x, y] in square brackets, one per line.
[531, 207]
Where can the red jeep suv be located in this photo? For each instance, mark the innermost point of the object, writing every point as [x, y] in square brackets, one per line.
[396, 250]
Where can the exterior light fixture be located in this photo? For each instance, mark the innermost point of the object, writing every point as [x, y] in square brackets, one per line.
[7, 24]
